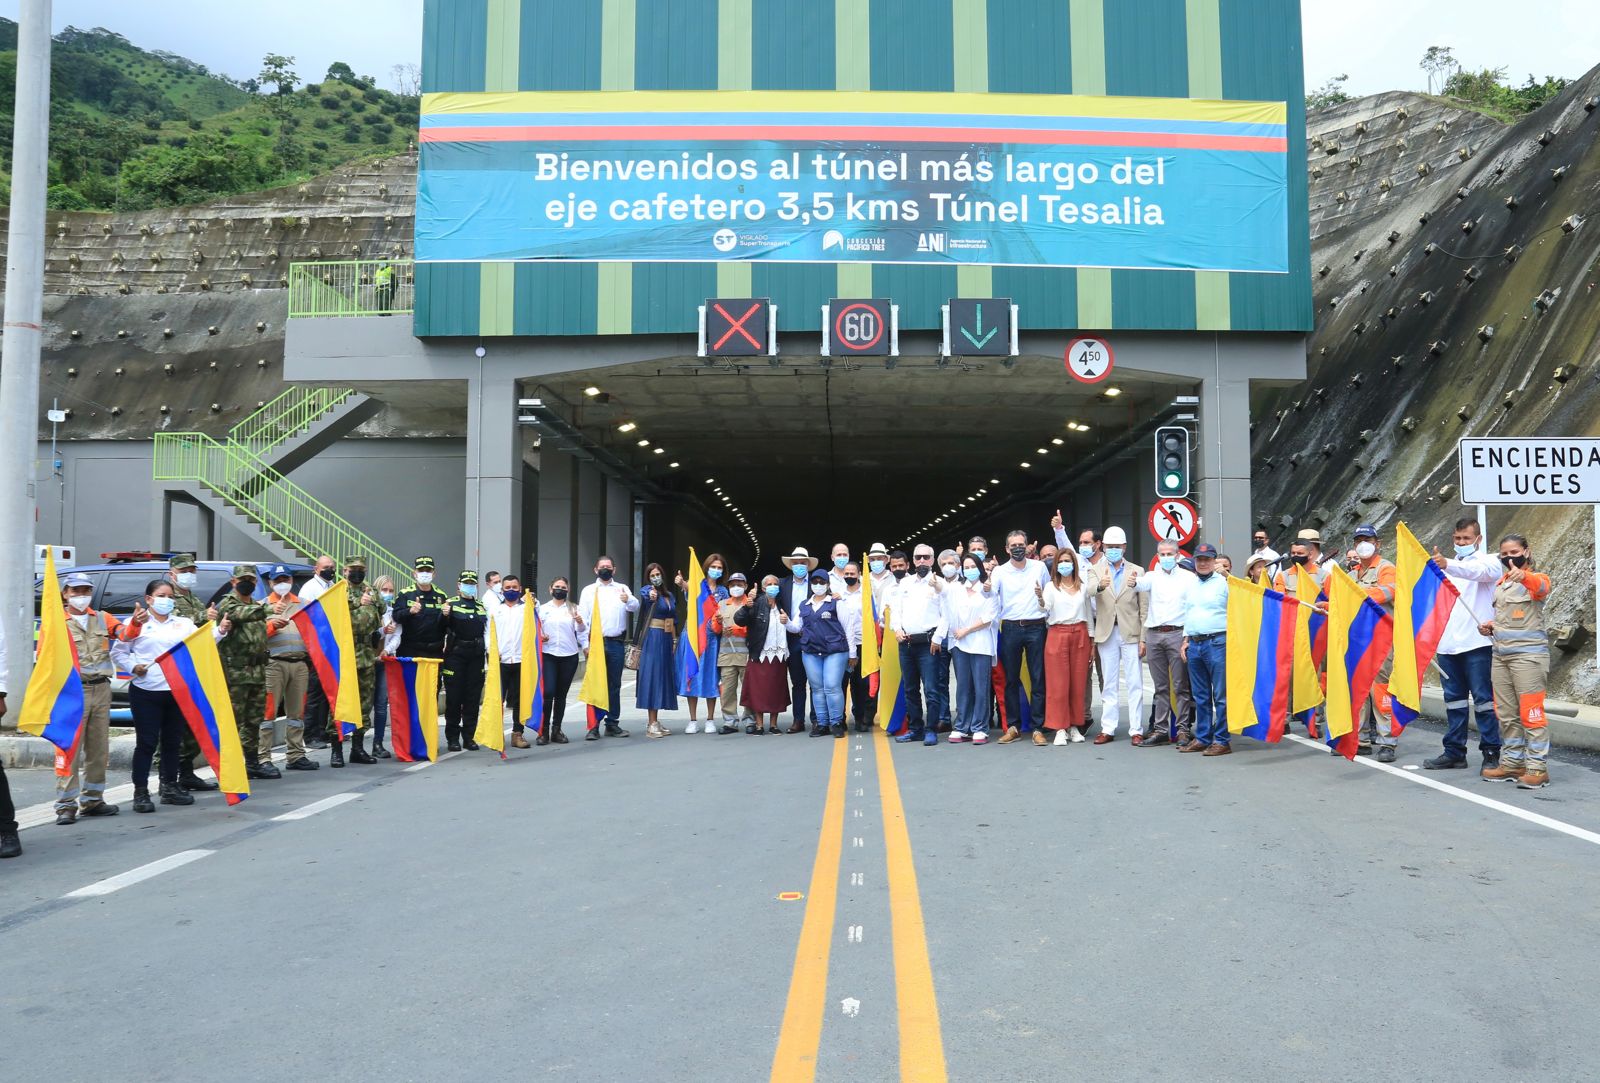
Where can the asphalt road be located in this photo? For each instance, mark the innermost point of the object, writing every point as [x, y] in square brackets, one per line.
[614, 911]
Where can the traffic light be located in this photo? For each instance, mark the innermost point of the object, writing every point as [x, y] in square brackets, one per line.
[1172, 461]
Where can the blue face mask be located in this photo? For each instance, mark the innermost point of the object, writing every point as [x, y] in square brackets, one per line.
[772, 590]
[1086, 552]
[1463, 552]
[971, 574]
[512, 595]
[876, 566]
[469, 590]
[799, 570]
[714, 573]
[1065, 567]
[1114, 555]
[1168, 563]
[840, 562]
[979, 554]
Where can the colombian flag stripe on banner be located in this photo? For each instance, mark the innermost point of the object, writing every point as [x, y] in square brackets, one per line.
[594, 691]
[530, 693]
[194, 673]
[413, 717]
[1260, 659]
[52, 705]
[325, 627]
[1423, 601]
[491, 731]
[1360, 634]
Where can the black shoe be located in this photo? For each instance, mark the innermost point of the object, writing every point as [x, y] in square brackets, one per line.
[1445, 762]
[361, 755]
[542, 739]
[592, 735]
[819, 731]
[1385, 754]
[10, 844]
[304, 764]
[336, 757]
[315, 743]
[1363, 750]
[142, 802]
[97, 808]
[469, 744]
[614, 730]
[67, 816]
[261, 770]
[559, 738]
[946, 727]
[863, 727]
[173, 794]
[453, 746]
[1492, 759]
[195, 784]
[728, 727]
[841, 730]
[381, 752]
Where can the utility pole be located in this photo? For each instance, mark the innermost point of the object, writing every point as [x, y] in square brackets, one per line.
[19, 354]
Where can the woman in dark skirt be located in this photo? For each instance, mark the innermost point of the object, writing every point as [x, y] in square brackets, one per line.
[657, 673]
[766, 675]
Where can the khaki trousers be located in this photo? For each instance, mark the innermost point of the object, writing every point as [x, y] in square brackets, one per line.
[731, 678]
[287, 682]
[1519, 686]
[88, 767]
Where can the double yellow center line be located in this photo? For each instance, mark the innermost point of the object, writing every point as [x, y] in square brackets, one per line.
[921, 1040]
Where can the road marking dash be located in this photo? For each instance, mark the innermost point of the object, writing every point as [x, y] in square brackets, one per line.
[854, 935]
[318, 806]
[134, 876]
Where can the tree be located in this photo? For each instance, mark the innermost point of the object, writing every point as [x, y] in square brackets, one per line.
[407, 79]
[341, 72]
[277, 71]
[1439, 62]
[1330, 93]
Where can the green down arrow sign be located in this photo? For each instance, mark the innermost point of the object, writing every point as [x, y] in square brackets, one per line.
[979, 340]
[980, 326]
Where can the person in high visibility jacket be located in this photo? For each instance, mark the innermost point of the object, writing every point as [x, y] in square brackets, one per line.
[1377, 577]
[1520, 668]
[383, 288]
[92, 634]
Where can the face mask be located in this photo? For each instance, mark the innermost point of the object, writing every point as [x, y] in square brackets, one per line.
[655, 580]
[187, 580]
[387, 596]
[1114, 554]
[876, 566]
[162, 606]
[923, 570]
[1518, 561]
[469, 590]
[1064, 568]
[980, 555]
[840, 562]
[1465, 551]
[325, 574]
[772, 590]
[281, 589]
[799, 570]
[1303, 559]
[1261, 543]
[899, 574]
[80, 602]
[559, 594]
[357, 576]
[605, 574]
[714, 573]
[819, 588]
[1168, 563]
[513, 596]
[423, 578]
[971, 574]
[1086, 552]
[948, 571]
[852, 580]
[733, 592]
[1365, 549]
[1205, 575]
[246, 587]
[1018, 551]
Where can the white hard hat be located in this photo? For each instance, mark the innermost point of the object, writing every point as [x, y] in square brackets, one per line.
[1114, 536]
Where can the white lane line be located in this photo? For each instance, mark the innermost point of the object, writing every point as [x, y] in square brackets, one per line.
[1465, 795]
[45, 811]
[318, 806]
[134, 876]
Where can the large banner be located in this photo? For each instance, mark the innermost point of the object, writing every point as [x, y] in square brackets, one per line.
[1005, 179]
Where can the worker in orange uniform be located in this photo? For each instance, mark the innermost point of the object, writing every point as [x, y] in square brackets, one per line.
[1377, 577]
[1520, 667]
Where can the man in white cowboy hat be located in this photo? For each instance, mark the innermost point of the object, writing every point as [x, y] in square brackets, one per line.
[792, 590]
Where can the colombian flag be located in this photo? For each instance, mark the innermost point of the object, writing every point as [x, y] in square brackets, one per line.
[325, 627]
[891, 692]
[413, 710]
[1260, 659]
[871, 660]
[491, 711]
[194, 673]
[530, 692]
[1310, 643]
[1360, 634]
[697, 629]
[594, 691]
[1423, 600]
[52, 705]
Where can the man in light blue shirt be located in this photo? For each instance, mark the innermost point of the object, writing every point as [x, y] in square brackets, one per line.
[1205, 649]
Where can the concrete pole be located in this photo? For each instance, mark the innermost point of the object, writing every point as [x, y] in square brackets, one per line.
[19, 357]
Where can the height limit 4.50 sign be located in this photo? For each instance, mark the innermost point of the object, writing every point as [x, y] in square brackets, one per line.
[1089, 360]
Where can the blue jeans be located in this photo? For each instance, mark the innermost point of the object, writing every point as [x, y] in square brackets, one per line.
[824, 673]
[1019, 643]
[380, 706]
[973, 676]
[919, 676]
[1208, 681]
[1461, 675]
[941, 683]
[615, 652]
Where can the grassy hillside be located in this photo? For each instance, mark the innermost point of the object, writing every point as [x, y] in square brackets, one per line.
[132, 128]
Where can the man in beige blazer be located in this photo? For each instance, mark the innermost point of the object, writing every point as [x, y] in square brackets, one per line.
[1118, 631]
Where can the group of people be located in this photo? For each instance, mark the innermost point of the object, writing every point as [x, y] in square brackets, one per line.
[1024, 631]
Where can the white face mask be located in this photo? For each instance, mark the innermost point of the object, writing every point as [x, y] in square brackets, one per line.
[1365, 549]
[736, 592]
[947, 570]
[280, 589]
[187, 580]
[424, 578]
[80, 602]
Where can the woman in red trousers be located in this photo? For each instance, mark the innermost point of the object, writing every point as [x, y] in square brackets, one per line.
[1067, 646]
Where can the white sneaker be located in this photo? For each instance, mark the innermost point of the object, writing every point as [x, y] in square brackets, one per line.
[694, 727]
[956, 737]
[1061, 737]
[711, 728]
[980, 738]
[1077, 737]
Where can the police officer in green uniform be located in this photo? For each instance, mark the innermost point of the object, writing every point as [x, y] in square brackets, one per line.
[366, 614]
[465, 618]
[244, 663]
[183, 573]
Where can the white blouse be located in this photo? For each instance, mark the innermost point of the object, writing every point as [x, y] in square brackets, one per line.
[560, 622]
[156, 637]
[965, 605]
[1065, 606]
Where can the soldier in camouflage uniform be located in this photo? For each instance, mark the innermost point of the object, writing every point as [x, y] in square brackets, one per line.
[366, 617]
[186, 603]
[244, 663]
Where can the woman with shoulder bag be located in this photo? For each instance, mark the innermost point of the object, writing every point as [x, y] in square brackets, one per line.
[654, 688]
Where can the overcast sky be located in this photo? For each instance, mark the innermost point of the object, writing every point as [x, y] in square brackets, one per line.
[1377, 42]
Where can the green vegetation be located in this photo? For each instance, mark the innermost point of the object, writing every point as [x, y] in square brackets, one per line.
[1485, 91]
[1330, 93]
[132, 128]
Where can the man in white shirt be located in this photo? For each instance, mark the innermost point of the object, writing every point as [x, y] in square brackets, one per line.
[492, 598]
[1168, 586]
[1264, 551]
[916, 612]
[882, 578]
[1464, 653]
[1021, 634]
[838, 557]
[616, 603]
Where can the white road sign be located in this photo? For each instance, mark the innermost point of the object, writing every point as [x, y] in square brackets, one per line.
[1530, 470]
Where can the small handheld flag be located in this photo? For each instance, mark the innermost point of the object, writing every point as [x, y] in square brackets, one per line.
[1423, 600]
[530, 690]
[1260, 654]
[324, 625]
[1360, 634]
[491, 712]
[594, 691]
[52, 705]
[193, 669]
[891, 690]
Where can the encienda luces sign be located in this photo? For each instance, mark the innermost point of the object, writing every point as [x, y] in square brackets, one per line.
[1530, 470]
[1009, 179]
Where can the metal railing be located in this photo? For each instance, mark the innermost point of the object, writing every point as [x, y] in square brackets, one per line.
[350, 288]
[270, 500]
[286, 416]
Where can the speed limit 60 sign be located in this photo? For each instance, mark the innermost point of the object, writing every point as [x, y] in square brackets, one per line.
[859, 327]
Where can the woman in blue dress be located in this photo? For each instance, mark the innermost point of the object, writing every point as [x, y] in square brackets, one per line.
[657, 673]
[705, 684]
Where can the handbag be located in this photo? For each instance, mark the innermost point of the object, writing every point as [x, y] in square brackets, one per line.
[630, 657]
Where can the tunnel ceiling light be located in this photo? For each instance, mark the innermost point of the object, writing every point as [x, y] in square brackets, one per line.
[983, 492]
[1112, 392]
[1057, 441]
[644, 443]
[994, 481]
[1026, 465]
[1042, 450]
[626, 426]
[660, 450]
[1083, 428]
[591, 391]
[711, 481]
[673, 466]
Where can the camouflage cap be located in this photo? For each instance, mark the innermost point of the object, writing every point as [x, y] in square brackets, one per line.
[469, 576]
[423, 564]
[355, 562]
[245, 571]
[181, 560]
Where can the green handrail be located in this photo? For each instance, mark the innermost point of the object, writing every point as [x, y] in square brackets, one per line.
[285, 416]
[369, 287]
[272, 501]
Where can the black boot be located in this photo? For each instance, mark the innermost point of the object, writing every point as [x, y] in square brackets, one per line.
[379, 751]
[188, 780]
[141, 800]
[336, 757]
[357, 753]
[174, 794]
[556, 736]
[10, 843]
[262, 770]
[544, 737]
